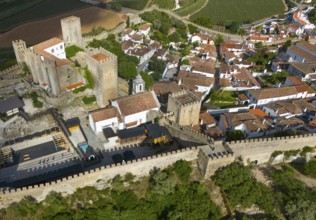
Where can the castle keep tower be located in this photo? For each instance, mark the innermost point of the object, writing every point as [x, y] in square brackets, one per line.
[185, 106]
[103, 66]
[71, 29]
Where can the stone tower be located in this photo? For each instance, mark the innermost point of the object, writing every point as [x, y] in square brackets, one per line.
[103, 66]
[185, 106]
[71, 29]
[138, 84]
[19, 47]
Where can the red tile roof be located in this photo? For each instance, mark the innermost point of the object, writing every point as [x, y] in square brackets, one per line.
[74, 86]
[100, 56]
[105, 113]
[136, 103]
[258, 112]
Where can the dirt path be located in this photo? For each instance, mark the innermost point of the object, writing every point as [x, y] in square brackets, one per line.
[203, 6]
[149, 3]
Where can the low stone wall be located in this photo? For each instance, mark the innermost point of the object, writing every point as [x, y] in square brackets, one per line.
[139, 167]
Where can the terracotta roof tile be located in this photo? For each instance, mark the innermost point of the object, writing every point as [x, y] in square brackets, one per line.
[105, 113]
[100, 57]
[137, 103]
[207, 119]
[258, 112]
[48, 43]
[302, 53]
[165, 87]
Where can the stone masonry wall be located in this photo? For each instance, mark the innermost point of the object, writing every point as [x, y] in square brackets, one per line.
[139, 167]
[260, 149]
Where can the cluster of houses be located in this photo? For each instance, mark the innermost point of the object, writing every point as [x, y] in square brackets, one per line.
[297, 24]
[284, 106]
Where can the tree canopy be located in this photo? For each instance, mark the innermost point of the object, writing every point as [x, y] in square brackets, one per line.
[167, 195]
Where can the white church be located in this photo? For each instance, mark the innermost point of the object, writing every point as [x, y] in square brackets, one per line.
[126, 112]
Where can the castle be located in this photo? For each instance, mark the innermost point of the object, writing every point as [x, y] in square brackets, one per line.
[54, 73]
[185, 106]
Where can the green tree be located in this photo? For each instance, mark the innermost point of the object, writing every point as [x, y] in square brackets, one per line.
[185, 62]
[183, 170]
[192, 29]
[234, 27]
[147, 79]
[116, 6]
[234, 135]
[219, 40]
[204, 21]
[310, 168]
[127, 70]
[128, 22]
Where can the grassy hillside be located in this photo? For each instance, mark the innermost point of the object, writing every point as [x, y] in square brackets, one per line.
[190, 7]
[167, 4]
[243, 11]
[133, 4]
[28, 12]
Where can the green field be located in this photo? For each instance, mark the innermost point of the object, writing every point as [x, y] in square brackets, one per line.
[133, 4]
[189, 9]
[32, 10]
[243, 11]
[167, 4]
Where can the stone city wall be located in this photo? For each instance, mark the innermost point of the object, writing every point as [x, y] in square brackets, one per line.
[260, 149]
[139, 167]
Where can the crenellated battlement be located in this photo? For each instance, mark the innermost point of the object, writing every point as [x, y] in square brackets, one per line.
[273, 138]
[78, 180]
[184, 98]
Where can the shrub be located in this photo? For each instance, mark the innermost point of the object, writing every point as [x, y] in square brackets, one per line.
[88, 100]
[306, 149]
[129, 177]
[80, 89]
[310, 168]
[276, 153]
[89, 78]
[72, 50]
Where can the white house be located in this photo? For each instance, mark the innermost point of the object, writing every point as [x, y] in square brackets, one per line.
[201, 39]
[265, 96]
[205, 68]
[306, 71]
[295, 29]
[260, 38]
[126, 112]
[143, 54]
[250, 124]
[301, 20]
[242, 79]
[302, 52]
[282, 109]
[127, 33]
[105, 118]
[54, 46]
[144, 29]
[195, 82]
[137, 109]
[137, 38]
